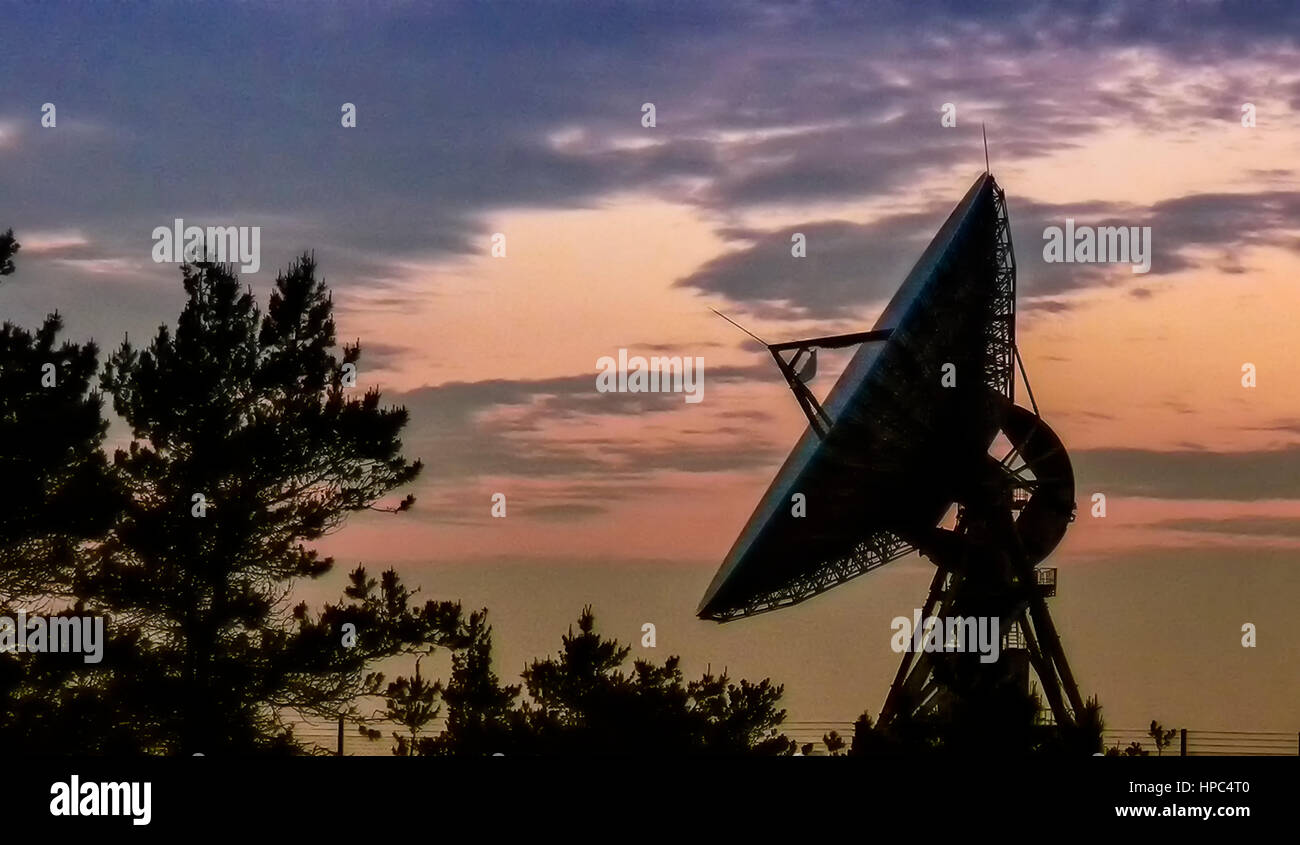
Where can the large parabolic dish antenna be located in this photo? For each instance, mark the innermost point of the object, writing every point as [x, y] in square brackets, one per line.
[895, 445]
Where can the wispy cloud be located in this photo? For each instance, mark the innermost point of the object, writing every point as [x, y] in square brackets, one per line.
[1191, 474]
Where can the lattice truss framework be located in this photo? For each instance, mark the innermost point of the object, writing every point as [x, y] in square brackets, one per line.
[1001, 325]
[873, 552]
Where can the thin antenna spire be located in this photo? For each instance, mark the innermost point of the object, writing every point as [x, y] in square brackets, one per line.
[986, 147]
[739, 326]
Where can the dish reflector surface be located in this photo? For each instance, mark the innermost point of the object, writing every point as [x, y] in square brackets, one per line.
[901, 443]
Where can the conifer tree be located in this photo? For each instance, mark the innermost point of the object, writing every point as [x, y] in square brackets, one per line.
[55, 491]
[582, 701]
[246, 447]
[481, 714]
[56, 499]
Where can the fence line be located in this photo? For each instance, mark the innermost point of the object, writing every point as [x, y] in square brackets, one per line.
[1200, 743]
[1203, 743]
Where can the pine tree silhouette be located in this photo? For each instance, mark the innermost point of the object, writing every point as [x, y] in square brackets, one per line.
[583, 702]
[481, 714]
[56, 497]
[245, 448]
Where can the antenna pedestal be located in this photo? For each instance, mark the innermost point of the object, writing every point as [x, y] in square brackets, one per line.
[1010, 521]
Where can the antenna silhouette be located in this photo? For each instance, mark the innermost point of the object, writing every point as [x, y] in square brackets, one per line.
[888, 454]
[986, 147]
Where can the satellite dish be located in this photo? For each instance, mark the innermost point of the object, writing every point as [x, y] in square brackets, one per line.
[903, 436]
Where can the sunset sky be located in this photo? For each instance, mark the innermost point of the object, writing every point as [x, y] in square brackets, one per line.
[771, 118]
